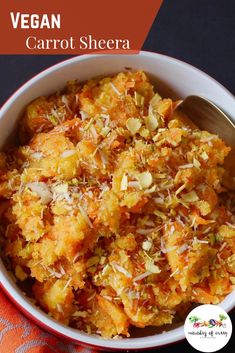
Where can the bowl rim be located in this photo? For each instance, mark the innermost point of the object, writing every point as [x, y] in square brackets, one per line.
[36, 314]
[84, 57]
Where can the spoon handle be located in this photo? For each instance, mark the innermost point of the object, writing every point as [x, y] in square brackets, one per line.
[207, 116]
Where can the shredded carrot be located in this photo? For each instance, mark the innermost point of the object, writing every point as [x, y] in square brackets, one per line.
[113, 208]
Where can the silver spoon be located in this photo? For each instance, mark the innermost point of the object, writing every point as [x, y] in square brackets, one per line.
[207, 116]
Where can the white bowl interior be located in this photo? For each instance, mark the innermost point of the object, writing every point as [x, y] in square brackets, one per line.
[172, 78]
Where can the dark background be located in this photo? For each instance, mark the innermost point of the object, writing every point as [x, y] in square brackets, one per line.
[200, 32]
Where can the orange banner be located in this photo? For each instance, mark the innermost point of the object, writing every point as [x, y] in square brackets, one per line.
[75, 27]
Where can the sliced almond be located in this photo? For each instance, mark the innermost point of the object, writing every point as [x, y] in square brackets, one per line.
[190, 196]
[124, 183]
[133, 125]
[42, 190]
[67, 153]
[151, 122]
[105, 131]
[147, 245]
[151, 267]
[196, 163]
[156, 98]
[145, 180]
[60, 188]
[204, 156]
[144, 132]
[139, 100]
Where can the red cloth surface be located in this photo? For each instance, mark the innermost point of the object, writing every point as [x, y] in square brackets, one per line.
[19, 335]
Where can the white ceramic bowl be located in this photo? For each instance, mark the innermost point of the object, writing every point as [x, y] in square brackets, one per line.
[173, 78]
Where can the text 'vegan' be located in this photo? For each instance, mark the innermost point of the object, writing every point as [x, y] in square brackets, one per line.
[35, 21]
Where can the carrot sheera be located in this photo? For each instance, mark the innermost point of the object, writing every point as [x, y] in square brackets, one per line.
[113, 209]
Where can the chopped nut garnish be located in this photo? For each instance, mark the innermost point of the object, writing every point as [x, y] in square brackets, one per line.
[145, 180]
[190, 196]
[133, 125]
[147, 245]
[204, 156]
[124, 182]
[151, 122]
[114, 211]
